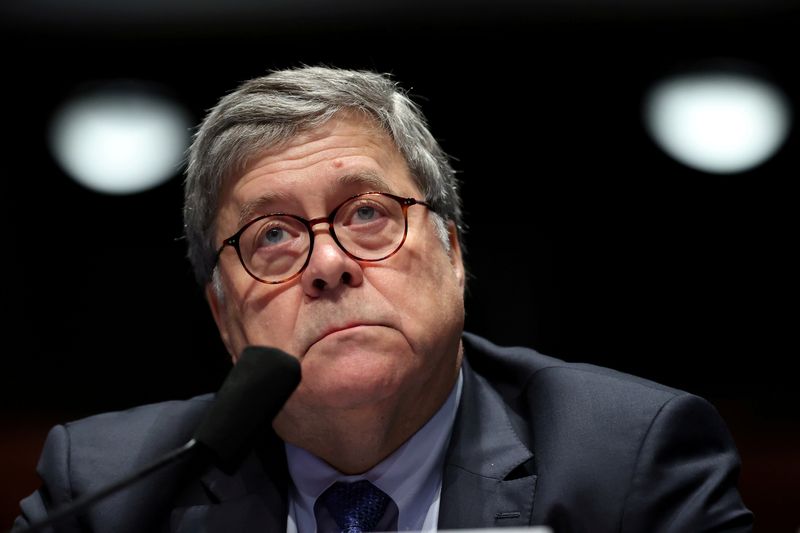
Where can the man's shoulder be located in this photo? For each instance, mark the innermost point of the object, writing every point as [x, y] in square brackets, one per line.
[522, 368]
[86, 455]
[554, 405]
[148, 429]
[145, 415]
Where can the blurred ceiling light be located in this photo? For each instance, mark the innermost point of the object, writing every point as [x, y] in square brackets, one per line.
[718, 122]
[120, 138]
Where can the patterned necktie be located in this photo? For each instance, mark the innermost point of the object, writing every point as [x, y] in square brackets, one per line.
[355, 507]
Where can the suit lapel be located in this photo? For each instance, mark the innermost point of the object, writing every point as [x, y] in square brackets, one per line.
[488, 479]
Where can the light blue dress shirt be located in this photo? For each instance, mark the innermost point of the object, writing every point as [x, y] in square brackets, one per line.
[411, 475]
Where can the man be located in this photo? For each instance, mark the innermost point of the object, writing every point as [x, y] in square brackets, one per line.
[323, 219]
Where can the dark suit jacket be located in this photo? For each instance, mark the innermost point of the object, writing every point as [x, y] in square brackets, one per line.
[536, 441]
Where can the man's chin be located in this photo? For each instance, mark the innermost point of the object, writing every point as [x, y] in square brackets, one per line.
[369, 337]
[360, 392]
[357, 367]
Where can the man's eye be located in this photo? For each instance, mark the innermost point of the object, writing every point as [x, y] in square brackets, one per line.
[365, 213]
[273, 235]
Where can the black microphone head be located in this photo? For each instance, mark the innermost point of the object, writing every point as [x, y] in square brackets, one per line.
[250, 397]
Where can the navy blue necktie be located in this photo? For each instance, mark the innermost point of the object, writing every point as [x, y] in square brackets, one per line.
[356, 507]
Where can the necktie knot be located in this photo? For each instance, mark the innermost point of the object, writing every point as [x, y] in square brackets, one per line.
[356, 507]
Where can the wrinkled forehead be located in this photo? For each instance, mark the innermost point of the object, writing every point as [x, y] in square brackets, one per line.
[284, 142]
[348, 154]
[342, 124]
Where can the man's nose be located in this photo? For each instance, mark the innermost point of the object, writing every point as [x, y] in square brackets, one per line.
[329, 266]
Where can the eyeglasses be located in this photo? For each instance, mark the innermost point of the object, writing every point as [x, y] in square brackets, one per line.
[276, 248]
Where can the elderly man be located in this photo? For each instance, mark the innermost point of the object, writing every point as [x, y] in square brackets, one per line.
[323, 219]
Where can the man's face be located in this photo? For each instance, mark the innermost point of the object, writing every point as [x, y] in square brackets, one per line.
[365, 333]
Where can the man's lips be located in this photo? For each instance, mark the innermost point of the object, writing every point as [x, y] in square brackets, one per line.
[343, 327]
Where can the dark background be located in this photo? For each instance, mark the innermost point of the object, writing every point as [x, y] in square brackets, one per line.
[585, 241]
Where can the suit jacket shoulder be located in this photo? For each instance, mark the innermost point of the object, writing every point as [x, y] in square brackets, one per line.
[87, 455]
[602, 450]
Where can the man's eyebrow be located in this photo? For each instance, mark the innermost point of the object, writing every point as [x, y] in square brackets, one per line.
[366, 181]
[258, 206]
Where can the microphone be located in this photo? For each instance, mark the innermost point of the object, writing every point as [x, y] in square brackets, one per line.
[251, 396]
[253, 393]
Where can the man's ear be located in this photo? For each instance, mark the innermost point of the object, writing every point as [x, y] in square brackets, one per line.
[216, 302]
[456, 258]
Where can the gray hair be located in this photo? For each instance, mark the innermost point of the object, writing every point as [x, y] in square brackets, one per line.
[267, 111]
